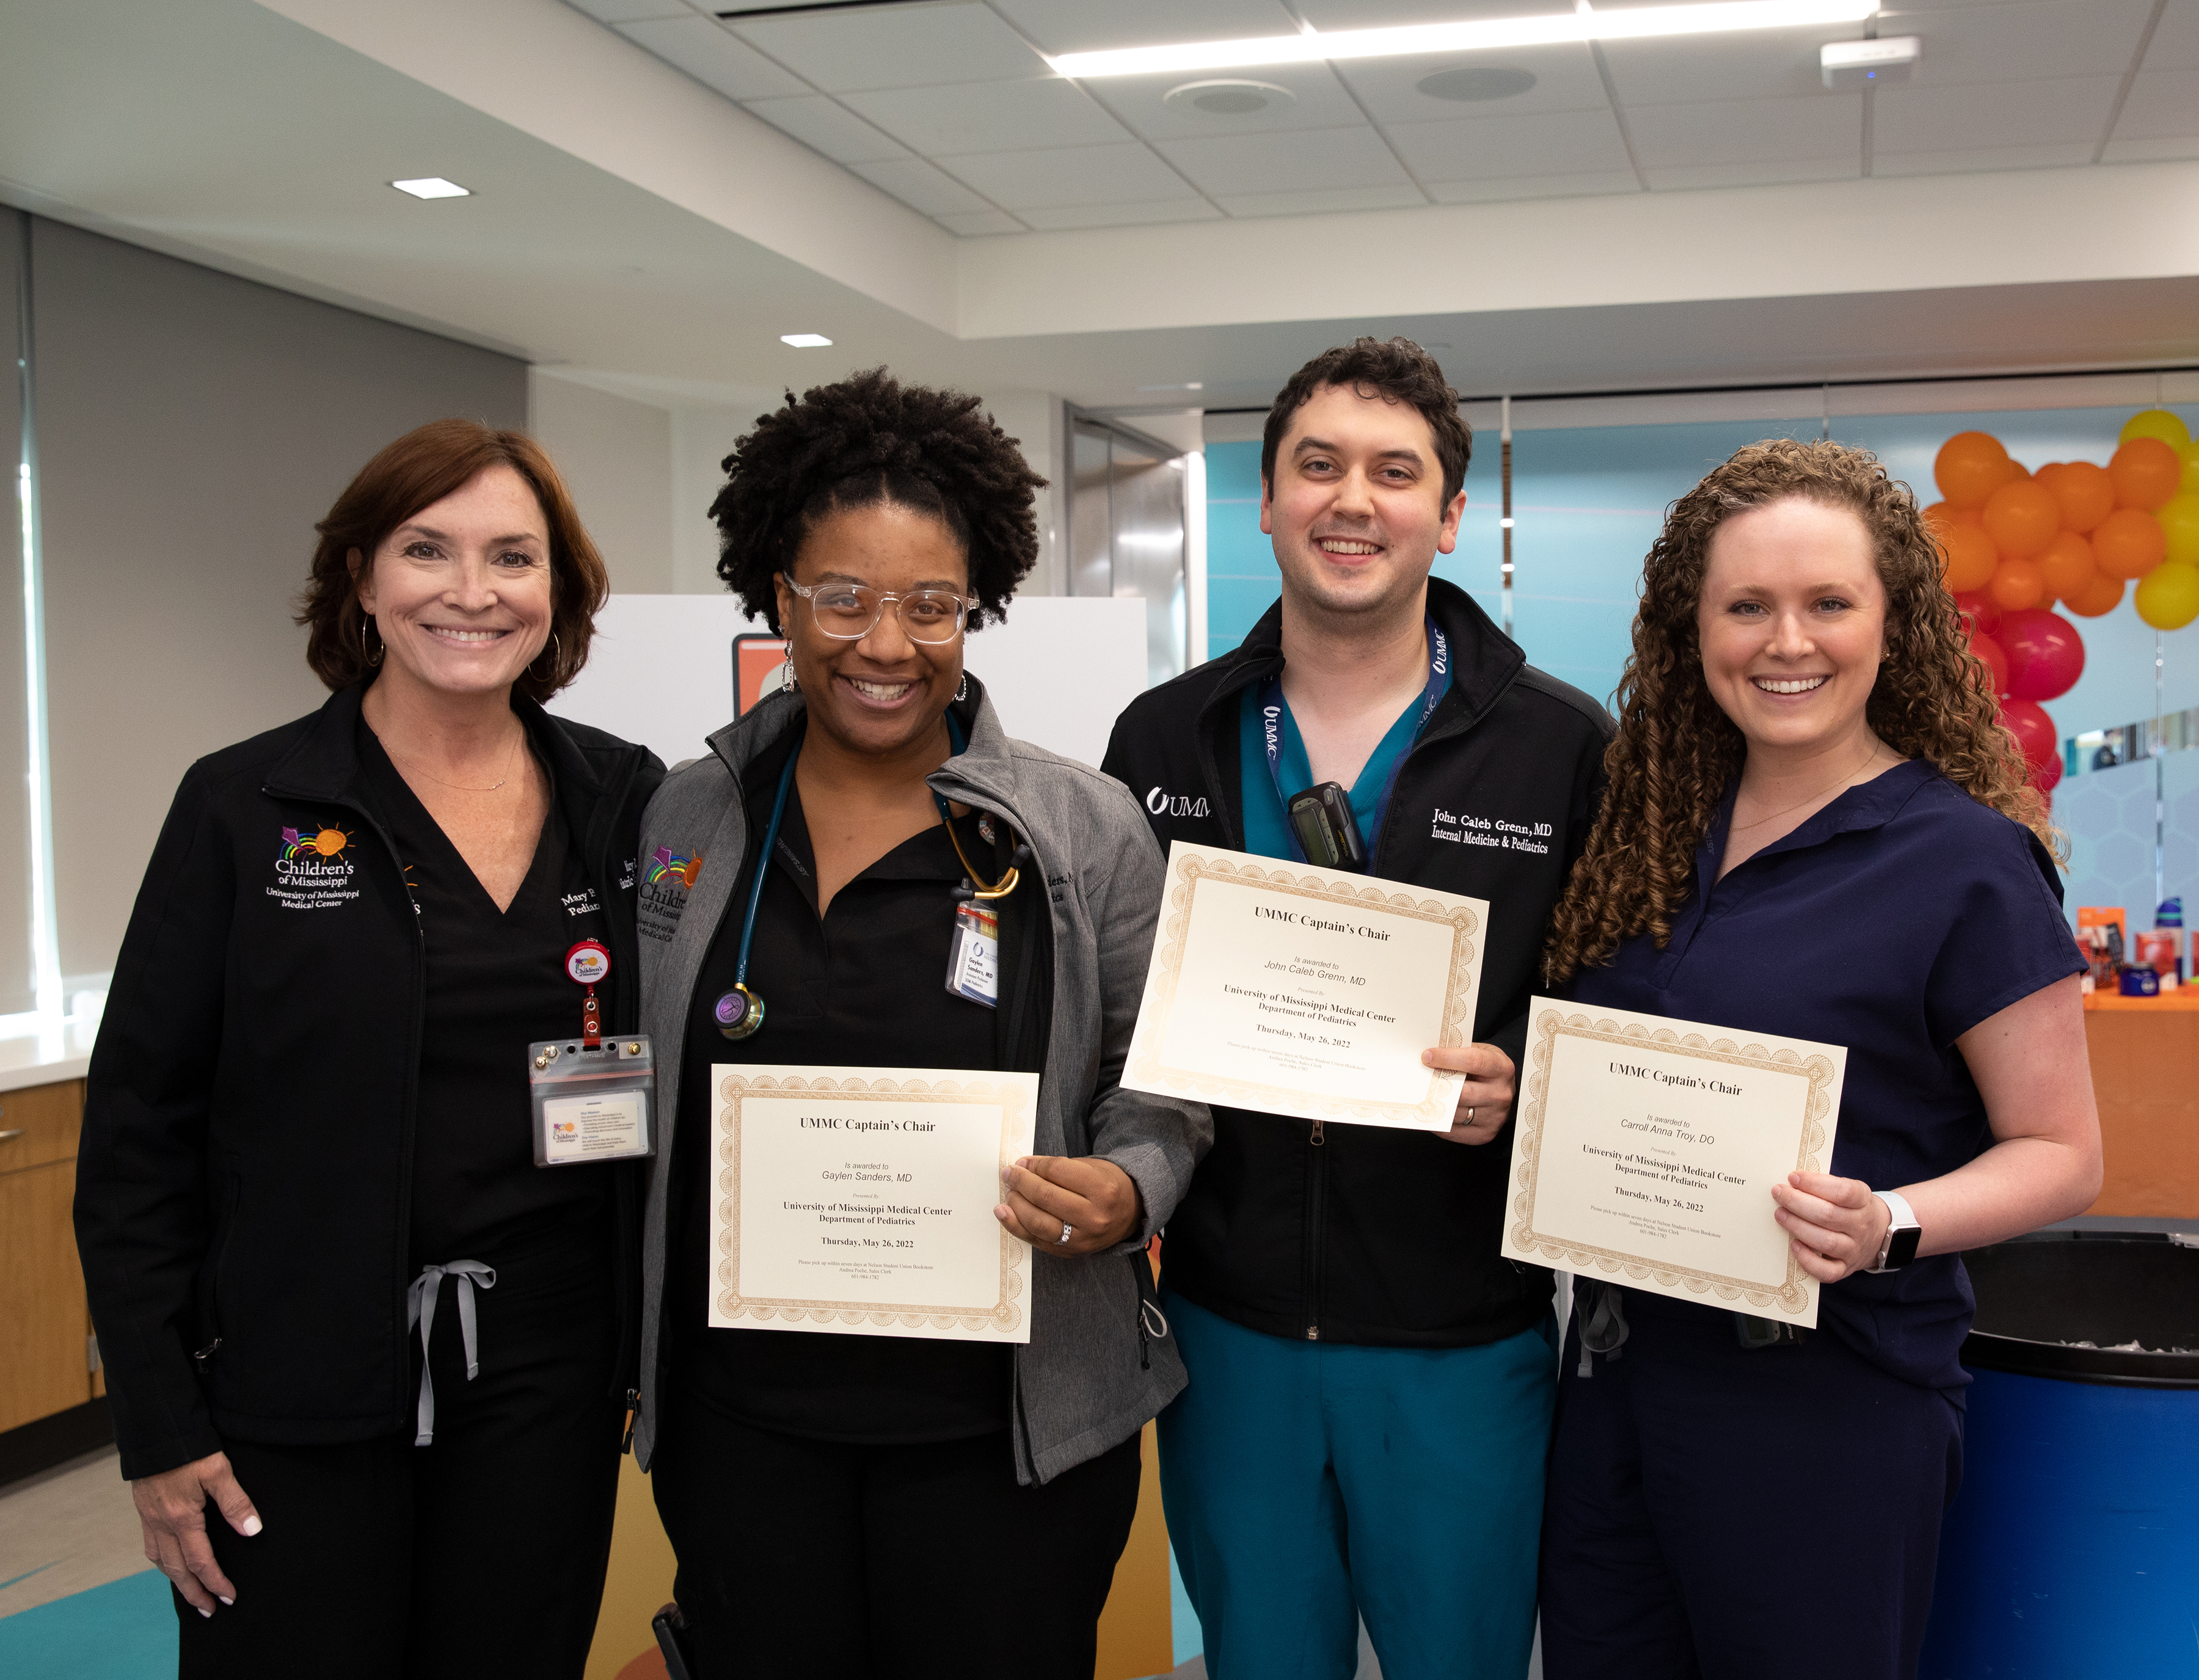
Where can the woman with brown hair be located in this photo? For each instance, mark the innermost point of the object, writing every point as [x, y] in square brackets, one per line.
[309, 1109]
[1816, 828]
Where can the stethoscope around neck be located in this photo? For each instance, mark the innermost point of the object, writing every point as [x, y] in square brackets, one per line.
[739, 1013]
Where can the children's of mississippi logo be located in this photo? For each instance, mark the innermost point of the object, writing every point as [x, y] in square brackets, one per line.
[668, 866]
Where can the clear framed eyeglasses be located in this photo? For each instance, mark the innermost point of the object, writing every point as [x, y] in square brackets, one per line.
[847, 612]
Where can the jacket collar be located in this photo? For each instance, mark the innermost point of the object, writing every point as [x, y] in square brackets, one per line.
[983, 772]
[1484, 661]
[324, 763]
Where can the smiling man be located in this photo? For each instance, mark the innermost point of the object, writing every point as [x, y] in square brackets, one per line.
[1371, 1381]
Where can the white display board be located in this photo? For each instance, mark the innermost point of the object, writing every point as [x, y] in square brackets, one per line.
[661, 670]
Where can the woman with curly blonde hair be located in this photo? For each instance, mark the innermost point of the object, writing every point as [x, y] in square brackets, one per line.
[1816, 828]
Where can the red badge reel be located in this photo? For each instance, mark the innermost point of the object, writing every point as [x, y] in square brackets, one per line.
[588, 962]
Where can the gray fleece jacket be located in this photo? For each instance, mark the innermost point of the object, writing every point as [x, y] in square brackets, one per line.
[1085, 1380]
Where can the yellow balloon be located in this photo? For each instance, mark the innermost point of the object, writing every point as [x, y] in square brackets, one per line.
[2156, 423]
[2179, 523]
[2168, 596]
[2190, 454]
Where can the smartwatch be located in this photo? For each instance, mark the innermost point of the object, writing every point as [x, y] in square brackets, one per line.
[1902, 1236]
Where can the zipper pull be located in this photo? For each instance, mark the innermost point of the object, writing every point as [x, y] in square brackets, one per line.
[633, 1413]
[1319, 1132]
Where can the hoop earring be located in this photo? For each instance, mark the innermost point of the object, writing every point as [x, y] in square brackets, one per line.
[962, 691]
[556, 652]
[372, 655]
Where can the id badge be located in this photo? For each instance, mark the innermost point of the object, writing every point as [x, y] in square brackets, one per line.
[973, 960]
[592, 1104]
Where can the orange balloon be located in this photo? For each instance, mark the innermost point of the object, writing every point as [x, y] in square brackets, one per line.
[1968, 468]
[2012, 471]
[2146, 472]
[2068, 565]
[1968, 557]
[2103, 594]
[2130, 543]
[2022, 517]
[2017, 583]
[2086, 494]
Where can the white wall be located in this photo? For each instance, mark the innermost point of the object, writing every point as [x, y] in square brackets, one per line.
[616, 455]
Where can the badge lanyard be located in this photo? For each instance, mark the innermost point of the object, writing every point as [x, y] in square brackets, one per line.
[740, 1012]
[587, 962]
[591, 1099]
[1271, 717]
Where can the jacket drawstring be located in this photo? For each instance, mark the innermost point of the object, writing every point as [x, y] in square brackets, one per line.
[1602, 1310]
[420, 1309]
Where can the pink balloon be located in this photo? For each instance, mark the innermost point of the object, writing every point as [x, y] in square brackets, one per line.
[2045, 776]
[1990, 651]
[2046, 654]
[2032, 729]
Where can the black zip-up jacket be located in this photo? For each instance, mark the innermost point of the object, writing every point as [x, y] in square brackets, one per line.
[1369, 1233]
[244, 1183]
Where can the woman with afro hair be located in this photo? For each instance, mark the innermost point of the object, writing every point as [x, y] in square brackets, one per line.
[882, 1502]
[1816, 828]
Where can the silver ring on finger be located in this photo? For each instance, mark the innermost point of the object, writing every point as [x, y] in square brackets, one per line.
[1068, 1231]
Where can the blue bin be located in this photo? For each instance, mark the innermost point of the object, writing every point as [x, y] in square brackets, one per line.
[2072, 1551]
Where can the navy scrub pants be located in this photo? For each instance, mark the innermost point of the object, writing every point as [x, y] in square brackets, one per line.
[1307, 1484]
[1716, 1513]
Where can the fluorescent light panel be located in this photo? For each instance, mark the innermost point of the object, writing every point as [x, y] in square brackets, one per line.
[433, 186]
[805, 340]
[1548, 29]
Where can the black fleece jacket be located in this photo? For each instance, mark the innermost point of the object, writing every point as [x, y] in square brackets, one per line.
[244, 1182]
[1365, 1233]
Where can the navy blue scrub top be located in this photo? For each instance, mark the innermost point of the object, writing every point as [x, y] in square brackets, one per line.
[1891, 922]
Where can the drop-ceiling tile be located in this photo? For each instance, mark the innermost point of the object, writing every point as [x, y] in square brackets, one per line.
[920, 185]
[2163, 104]
[1303, 160]
[1983, 160]
[1038, 179]
[1551, 142]
[1318, 201]
[1123, 215]
[1315, 99]
[825, 125]
[714, 58]
[988, 117]
[1680, 178]
[1387, 14]
[2024, 43]
[2170, 148]
[2070, 109]
[1589, 184]
[1753, 64]
[973, 224]
[894, 46]
[2175, 43]
[1079, 26]
[626, 11]
[1564, 80]
[1748, 131]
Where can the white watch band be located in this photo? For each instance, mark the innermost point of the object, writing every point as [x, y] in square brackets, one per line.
[1903, 1217]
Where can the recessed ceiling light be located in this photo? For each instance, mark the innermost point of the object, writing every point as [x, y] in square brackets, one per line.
[1475, 82]
[805, 340]
[1480, 34]
[1227, 98]
[433, 186]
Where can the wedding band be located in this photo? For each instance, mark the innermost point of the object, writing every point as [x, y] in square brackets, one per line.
[1469, 1115]
[1067, 1231]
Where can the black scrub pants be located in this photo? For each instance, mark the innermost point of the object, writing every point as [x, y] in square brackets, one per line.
[1718, 1513]
[480, 1554]
[929, 1562]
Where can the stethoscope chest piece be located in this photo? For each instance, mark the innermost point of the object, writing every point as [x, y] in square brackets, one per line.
[739, 1013]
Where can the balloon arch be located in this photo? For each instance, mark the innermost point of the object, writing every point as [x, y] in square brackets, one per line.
[2014, 542]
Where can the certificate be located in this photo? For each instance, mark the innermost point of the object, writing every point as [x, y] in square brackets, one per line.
[1647, 1150]
[859, 1201]
[1276, 986]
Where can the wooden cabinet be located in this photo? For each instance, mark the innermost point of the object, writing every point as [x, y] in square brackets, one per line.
[44, 1329]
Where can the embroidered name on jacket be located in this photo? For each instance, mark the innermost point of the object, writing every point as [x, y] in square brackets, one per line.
[1500, 832]
[666, 880]
[310, 870]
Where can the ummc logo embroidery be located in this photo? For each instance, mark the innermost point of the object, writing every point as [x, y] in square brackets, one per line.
[1163, 803]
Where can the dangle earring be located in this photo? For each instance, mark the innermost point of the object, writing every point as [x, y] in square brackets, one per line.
[788, 683]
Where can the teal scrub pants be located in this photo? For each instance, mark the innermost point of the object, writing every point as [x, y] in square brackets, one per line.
[1309, 1483]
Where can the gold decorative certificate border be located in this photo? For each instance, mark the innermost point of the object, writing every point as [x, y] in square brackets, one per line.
[1186, 869]
[1793, 1296]
[1002, 1315]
